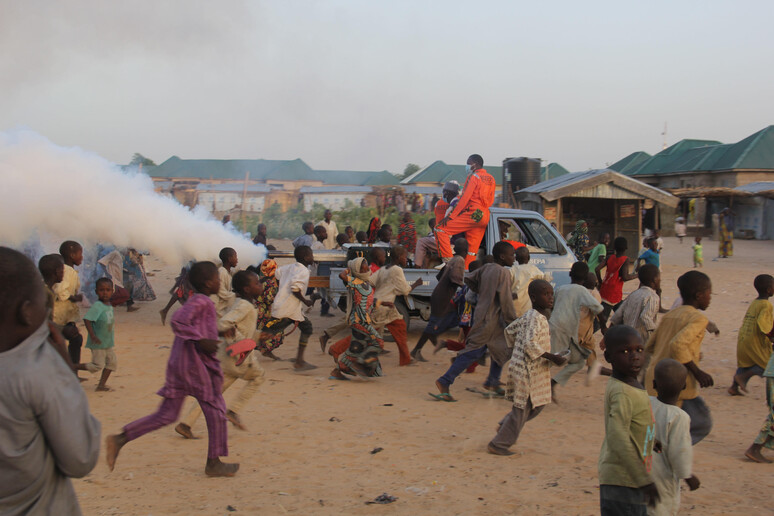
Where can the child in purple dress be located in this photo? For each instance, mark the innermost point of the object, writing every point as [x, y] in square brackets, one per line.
[193, 370]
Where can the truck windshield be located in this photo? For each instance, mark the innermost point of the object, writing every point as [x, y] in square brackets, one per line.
[532, 232]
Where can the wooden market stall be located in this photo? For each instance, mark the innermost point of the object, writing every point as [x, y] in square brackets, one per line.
[610, 202]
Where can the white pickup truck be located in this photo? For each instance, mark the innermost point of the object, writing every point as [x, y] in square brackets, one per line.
[548, 251]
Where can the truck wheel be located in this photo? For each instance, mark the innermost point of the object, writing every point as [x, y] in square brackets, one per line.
[400, 305]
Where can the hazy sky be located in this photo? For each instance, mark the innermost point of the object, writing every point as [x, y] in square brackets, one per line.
[368, 85]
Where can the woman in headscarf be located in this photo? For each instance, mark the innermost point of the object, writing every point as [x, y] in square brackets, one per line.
[407, 233]
[726, 245]
[373, 228]
[579, 240]
[264, 301]
[358, 354]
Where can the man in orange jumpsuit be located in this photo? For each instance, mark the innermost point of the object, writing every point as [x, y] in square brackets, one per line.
[471, 215]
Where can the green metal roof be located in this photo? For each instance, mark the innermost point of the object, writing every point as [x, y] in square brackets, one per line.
[235, 169]
[357, 177]
[661, 163]
[439, 172]
[752, 153]
[630, 162]
[551, 171]
[755, 151]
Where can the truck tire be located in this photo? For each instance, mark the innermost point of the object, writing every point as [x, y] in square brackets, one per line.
[400, 305]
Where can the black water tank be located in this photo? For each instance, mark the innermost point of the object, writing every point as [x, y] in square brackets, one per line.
[521, 172]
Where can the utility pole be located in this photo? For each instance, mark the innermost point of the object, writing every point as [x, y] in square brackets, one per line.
[664, 134]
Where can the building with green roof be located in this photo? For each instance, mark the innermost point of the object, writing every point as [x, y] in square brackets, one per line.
[705, 163]
[438, 173]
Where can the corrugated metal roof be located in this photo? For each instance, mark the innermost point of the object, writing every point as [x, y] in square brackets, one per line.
[552, 170]
[235, 187]
[259, 169]
[577, 181]
[759, 186]
[755, 152]
[630, 163]
[335, 189]
[439, 172]
[357, 177]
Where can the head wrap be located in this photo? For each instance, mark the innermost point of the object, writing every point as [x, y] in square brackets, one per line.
[580, 229]
[354, 269]
[373, 228]
[268, 267]
[451, 186]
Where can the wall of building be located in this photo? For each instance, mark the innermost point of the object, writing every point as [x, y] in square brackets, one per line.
[332, 201]
[225, 201]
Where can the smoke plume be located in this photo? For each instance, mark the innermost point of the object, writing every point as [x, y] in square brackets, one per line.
[72, 194]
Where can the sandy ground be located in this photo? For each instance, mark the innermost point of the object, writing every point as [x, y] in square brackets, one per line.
[310, 440]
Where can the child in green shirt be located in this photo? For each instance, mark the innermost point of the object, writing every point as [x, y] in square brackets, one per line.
[625, 482]
[99, 325]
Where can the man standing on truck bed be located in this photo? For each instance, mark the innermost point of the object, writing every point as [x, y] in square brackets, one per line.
[471, 215]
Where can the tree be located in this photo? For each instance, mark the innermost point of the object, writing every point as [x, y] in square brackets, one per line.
[138, 159]
[411, 168]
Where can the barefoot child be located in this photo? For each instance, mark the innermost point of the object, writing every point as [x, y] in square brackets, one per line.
[66, 312]
[237, 324]
[193, 370]
[529, 377]
[443, 314]
[753, 345]
[99, 325]
[674, 455]
[698, 253]
[51, 267]
[565, 321]
[626, 484]
[766, 435]
[679, 336]
[287, 308]
[389, 283]
[47, 434]
[225, 297]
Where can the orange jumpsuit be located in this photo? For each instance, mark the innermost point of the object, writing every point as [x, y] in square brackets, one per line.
[477, 194]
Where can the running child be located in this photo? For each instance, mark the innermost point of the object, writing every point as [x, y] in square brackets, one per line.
[193, 370]
[753, 344]
[225, 297]
[66, 312]
[616, 273]
[378, 259]
[640, 308]
[236, 325]
[180, 291]
[766, 435]
[523, 273]
[494, 312]
[626, 484]
[46, 430]
[287, 309]
[443, 315]
[565, 321]
[389, 283]
[650, 255]
[674, 460]
[51, 267]
[679, 336]
[529, 377]
[99, 323]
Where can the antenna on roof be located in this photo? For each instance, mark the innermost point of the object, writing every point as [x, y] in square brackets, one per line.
[664, 134]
